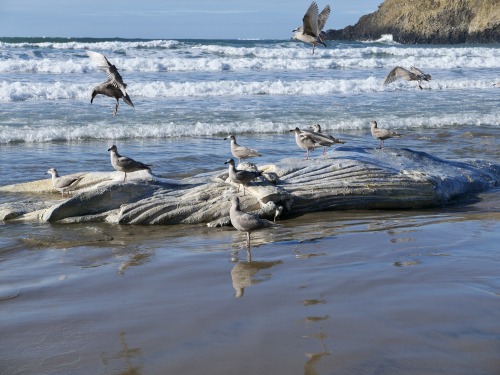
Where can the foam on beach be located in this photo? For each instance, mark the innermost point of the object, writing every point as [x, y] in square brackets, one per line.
[51, 131]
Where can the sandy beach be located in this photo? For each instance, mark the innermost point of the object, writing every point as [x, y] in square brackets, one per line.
[336, 292]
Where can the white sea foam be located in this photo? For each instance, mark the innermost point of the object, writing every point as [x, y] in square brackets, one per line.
[385, 38]
[214, 58]
[104, 45]
[49, 131]
[22, 91]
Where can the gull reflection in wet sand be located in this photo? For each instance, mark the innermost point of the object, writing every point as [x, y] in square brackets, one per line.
[135, 260]
[244, 273]
[127, 354]
[314, 358]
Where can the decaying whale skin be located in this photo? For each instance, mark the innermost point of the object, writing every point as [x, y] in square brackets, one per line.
[351, 178]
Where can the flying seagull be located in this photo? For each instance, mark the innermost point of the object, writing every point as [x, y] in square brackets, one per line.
[125, 164]
[382, 134]
[413, 74]
[64, 183]
[114, 87]
[312, 26]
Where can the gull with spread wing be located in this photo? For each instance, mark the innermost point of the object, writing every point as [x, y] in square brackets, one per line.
[114, 87]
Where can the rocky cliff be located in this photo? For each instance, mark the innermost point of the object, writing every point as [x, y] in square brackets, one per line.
[429, 22]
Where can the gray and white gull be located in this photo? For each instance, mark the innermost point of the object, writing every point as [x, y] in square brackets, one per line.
[125, 164]
[309, 140]
[244, 221]
[327, 137]
[241, 152]
[241, 176]
[114, 87]
[382, 134]
[63, 183]
[313, 23]
[414, 74]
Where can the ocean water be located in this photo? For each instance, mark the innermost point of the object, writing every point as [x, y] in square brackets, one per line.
[362, 292]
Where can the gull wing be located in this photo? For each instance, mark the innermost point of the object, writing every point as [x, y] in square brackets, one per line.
[416, 71]
[310, 20]
[129, 163]
[63, 182]
[127, 100]
[323, 17]
[113, 76]
[398, 72]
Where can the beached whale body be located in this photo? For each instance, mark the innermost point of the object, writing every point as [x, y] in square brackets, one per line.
[352, 178]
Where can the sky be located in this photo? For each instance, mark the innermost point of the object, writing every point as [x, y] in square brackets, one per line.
[170, 19]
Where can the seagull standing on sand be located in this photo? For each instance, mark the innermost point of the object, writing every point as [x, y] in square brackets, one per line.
[312, 26]
[240, 176]
[413, 74]
[328, 138]
[246, 222]
[114, 87]
[241, 152]
[125, 164]
[64, 183]
[382, 134]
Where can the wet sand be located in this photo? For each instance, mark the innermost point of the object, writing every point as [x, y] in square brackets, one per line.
[378, 292]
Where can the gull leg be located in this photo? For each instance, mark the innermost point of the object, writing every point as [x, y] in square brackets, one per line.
[248, 240]
[249, 255]
[125, 178]
[116, 108]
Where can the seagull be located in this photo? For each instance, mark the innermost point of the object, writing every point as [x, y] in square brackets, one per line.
[328, 138]
[413, 74]
[64, 183]
[241, 152]
[309, 140]
[246, 222]
[114, 87]
[240, 176]
[382, 134]
[125, 164]
[312, 26]
[277, 213]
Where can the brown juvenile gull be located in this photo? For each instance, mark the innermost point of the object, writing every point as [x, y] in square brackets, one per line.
[382, 134]
[125, 164]
[64, 183]
[413, 74]
[114, 87]
[312, 26]
[240, 152]
[240, 176]
[246, 222]
[328, 138]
